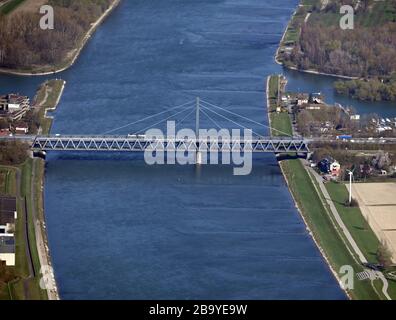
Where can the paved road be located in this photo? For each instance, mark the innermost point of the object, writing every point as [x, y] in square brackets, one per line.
[344, 229]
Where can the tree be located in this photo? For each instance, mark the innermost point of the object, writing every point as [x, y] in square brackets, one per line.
[384, 255]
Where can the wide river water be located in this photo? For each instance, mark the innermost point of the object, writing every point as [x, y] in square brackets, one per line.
[121, 229]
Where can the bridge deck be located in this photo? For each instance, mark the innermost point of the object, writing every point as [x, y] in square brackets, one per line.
[141, 143]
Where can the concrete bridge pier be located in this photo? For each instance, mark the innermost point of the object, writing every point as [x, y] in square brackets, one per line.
[198, 158]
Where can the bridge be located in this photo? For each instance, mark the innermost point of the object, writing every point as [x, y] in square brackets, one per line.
[143, 143]
[140, 142]
[199, 143]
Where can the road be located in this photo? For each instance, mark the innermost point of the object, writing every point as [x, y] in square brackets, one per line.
[344, 229]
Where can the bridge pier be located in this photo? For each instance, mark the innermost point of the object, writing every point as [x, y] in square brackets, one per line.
[198, 158]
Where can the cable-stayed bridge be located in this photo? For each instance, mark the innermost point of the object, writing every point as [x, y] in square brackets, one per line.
[217, 139]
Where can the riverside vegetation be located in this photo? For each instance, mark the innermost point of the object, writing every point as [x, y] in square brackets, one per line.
[314, 41]
[24, 46]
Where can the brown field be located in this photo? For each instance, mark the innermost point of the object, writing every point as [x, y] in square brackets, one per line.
[377, 202]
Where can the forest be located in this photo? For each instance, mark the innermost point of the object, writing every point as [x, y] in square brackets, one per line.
[366, 52]
[25, 46]
[373, 90]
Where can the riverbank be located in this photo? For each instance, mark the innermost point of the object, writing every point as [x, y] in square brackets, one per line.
[72, 56]
[329, 235]
[291, 35]
[34, 274]
[47, 98]
[278, 118]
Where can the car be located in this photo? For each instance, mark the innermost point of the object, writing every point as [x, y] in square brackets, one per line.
[374, 266]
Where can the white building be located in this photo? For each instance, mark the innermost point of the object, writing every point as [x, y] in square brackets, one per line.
[7, 250]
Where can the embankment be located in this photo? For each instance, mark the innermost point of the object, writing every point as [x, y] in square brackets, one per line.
[72, 56]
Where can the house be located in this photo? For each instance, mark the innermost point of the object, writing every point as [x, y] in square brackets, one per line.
[4, 132]
[316, 98]
[324, 165]
[335, 169]
[7, 250]
[302, 99]
[8, 214]
[14, 106]
[313, 107]
[21, 128]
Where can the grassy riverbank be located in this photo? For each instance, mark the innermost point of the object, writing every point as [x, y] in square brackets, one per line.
[25, 181]
[279, 121]
[316, 213]
[46, 100]
[323, 229]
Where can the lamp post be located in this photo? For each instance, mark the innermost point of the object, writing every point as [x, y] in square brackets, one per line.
[350, 186]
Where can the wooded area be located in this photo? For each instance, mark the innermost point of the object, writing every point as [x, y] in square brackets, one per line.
[367, 50]
[373, 90]
[23, 45]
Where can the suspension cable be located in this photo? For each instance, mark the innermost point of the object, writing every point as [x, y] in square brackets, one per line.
[228, 119]
[181, 121]
[211, 119]
[149, 117]
[243, 117]
[151, 126]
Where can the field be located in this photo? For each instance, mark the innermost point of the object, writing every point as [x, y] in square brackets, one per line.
[377, 202]
[322, 226]
[359, 228]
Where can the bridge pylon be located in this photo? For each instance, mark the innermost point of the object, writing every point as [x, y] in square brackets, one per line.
[198, 155]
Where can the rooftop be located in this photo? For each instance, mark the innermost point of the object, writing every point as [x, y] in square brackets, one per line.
[7, 245]
[7, 204]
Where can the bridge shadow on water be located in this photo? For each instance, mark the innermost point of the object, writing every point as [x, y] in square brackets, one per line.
[289, 156]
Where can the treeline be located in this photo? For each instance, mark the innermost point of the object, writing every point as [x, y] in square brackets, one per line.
[361, 52]
[367, 50]
[373, 90]
[24, 45]
[13, 152]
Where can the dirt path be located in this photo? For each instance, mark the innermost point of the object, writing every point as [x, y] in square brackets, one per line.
[41, 242]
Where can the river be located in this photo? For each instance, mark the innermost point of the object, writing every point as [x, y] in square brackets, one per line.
[121, 229]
